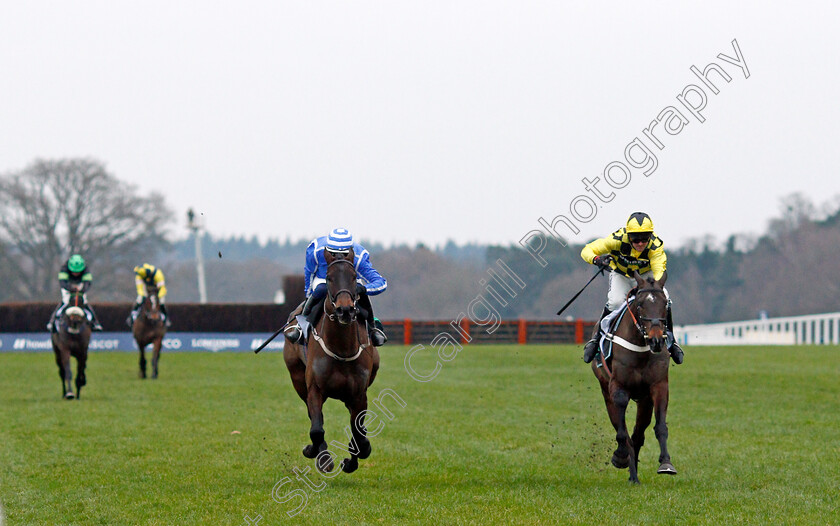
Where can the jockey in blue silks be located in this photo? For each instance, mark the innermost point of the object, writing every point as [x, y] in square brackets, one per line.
[369, 282]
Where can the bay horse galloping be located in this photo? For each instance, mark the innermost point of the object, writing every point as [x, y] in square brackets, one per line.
[149, 327]
[71, 337]
[639, 371]
[339, 362]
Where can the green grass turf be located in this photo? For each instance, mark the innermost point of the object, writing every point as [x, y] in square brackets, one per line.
[504, 434]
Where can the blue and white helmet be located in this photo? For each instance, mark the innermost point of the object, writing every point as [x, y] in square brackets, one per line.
[340, 240]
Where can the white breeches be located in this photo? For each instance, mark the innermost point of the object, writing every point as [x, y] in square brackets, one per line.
[620, 285]
[65, 297]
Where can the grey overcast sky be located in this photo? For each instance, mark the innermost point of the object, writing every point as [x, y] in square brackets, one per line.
[428, 121]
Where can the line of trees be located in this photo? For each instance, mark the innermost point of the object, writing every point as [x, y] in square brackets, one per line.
[54, 208]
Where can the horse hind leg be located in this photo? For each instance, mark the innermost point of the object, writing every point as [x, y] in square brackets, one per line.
[660, 429]
[297, 370]
[156, 357]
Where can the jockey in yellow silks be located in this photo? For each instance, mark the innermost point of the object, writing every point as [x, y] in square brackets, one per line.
[147, 275]
[634, 247]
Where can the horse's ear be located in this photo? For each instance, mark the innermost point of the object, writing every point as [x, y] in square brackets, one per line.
[329, 257]
[639, 280]
[661, 281]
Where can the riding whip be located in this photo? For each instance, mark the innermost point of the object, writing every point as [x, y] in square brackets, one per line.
[261, 347]
[600, 271]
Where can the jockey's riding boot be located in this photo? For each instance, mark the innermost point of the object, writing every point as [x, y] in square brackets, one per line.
[165, 315]
[377, 334]
[316, 307]
[294, 332]
[135, 311]
[591, 347]
[307, 305]
[673, 347]
[93, 319]
[52, 325]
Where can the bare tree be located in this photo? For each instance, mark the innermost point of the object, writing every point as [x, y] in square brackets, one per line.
[55, 208]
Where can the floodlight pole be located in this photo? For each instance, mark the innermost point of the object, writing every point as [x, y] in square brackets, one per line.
[194, 224]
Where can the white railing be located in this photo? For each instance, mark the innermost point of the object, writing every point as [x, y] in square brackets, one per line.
[819, 329]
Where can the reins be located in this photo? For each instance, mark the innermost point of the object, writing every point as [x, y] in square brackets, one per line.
[332, 354]
[332, 318]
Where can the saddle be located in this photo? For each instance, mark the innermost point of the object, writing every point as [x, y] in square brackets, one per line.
[56, 323]
[609, 324]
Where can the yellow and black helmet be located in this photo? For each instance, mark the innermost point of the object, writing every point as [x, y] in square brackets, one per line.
[145, 271]
[639, 222]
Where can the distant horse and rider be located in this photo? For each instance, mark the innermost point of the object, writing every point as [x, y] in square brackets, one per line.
[148, 318]
[149, 327]
[71, 337]
[71, 324]
[338, 357]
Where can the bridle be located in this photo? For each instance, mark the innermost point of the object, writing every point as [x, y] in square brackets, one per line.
[154, 306]
[332, 317]
[334, 297]
[638, 319]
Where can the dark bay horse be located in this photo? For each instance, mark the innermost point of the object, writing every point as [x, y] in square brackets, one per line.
[149, 327]
[71, 337]
[639, 371]
[339, 362]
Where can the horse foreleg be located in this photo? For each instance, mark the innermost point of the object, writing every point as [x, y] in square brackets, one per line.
[623, 456]
[156, 345]
[359, 446]
[142, 360]
[644, 412]
[315, 405]
[659, 392]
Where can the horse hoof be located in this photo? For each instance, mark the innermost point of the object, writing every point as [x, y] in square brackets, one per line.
[349, 465]
[325, 464]
[634, 481]
[309, 451]
[666, 469]
[365, 451]
[620, 463]
[142, 375]
[69, 395]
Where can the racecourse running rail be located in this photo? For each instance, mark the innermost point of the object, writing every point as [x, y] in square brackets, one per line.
[815, 329]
